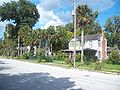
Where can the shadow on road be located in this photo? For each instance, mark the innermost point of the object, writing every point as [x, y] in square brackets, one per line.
[35, 81]
[1, 62]
[4, 68]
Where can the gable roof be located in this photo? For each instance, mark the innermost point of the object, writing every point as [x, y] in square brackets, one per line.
[90, 37]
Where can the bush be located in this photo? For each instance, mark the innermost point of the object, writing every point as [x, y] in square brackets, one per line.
[99, 65]
[45, 59]
[25, 56]
[1, 51]
[48, 58]
[88, 60]
[17, 57]
[58, 56]
[61, 57]
[40, 52]
[40, 59]
[78, 57]
[114, 58]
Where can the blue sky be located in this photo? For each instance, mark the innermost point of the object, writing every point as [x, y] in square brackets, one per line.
[58, 12]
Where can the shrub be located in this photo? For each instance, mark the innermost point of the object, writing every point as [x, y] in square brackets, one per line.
[88, 60]
[45, 59]
[48, 58]
[1, 51]
[17, 57]
[40, 52]
[61, 57]
[114, 58]
[78, 57]
[25, 56]
[58, 56]
[40, 59]
[99, 65]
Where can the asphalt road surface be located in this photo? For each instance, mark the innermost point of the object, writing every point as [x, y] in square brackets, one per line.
[18, 75]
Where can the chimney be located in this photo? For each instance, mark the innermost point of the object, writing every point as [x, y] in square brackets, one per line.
[103, 46]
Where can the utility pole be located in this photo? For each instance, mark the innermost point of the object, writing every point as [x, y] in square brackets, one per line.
[18, 45]
[74, 21]
[82, 45]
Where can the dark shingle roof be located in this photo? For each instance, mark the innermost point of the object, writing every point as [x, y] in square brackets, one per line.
[90, 37]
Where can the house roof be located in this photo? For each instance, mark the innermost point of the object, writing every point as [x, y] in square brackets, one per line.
[90, 37]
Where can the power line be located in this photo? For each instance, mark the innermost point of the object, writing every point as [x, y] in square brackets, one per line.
[66, 4]
[109, 12]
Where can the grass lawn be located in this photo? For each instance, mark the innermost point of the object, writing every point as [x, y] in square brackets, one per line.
[110, 67]
[105, 67]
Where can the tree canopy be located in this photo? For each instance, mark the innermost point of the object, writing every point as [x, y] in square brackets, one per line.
[112, 27]
[85, 20]
[20, 12]
[23, 14]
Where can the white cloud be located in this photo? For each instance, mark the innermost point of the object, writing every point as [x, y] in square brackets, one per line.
[50, 4]
[99, 5]
[56, 12]
[48, 16]
[2, 27]
[65, 16]
[53, 13]
[52, 23]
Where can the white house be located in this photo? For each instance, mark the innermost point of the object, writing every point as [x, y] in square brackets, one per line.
[94, 45]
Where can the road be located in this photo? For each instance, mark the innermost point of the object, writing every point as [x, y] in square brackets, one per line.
[19, 75]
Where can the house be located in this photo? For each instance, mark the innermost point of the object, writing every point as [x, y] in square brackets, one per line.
[94, 45]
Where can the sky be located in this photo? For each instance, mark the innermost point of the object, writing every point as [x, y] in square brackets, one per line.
[59, 12]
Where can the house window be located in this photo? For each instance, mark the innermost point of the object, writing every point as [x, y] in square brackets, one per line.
[77, 43]
[99, 54]
[71, 44]
[99, 43]
[90, 44]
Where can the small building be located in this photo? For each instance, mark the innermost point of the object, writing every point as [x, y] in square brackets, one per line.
[94, 45]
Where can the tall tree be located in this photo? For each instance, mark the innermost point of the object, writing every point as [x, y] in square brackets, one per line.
[85, 17]
[21, 13]
[27, 36]
[9, 42]
[1, 47]
[10, 31]
[62, 39]
[112, 27]
[41, 37]
[51, 37]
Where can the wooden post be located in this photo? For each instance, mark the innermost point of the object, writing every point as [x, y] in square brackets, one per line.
[103, 46]
[74, 13]
[82, 45]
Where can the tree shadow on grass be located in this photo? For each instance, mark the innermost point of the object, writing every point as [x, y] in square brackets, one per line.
[35, 81]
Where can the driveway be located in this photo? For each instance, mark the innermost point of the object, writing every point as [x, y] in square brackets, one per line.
[19, 75]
